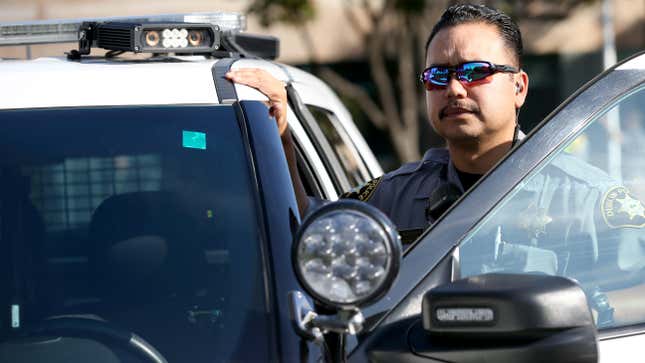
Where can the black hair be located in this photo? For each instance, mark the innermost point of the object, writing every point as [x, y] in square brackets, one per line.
[470, 13]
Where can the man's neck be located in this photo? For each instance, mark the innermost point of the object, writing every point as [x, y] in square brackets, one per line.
[477, 158]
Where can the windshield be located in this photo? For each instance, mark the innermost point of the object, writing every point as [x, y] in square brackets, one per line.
[138, 220]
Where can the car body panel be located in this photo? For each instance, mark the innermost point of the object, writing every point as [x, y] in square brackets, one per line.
[56, 82]
[627, 349]
[280, 216]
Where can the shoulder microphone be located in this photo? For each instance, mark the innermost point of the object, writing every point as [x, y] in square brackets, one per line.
[440, 200]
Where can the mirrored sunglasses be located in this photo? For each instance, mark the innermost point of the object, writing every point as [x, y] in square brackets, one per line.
[467, 73]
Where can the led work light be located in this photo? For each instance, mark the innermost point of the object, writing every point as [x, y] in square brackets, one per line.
[347, 254]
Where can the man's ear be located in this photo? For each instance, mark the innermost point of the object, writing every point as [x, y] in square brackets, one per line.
[521, 88]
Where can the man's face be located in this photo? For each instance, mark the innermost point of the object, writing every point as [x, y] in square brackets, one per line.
[484, 112]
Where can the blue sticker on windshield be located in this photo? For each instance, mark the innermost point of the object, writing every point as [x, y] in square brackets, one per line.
[194, 140]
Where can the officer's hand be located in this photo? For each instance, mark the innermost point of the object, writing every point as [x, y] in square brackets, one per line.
[270, 86]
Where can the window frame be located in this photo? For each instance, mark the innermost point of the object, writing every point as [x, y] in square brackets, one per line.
[309, 161]
[342, 133]
[319, 141]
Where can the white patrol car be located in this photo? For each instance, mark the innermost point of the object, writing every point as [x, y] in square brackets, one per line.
[147, 211]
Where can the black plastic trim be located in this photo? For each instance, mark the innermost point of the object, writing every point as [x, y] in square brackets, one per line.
[225, 89]
[253, 46]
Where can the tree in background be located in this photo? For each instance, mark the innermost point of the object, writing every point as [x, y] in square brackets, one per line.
[394, 38]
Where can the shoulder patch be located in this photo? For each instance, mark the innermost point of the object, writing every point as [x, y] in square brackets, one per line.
[365, 192]
[621, 209]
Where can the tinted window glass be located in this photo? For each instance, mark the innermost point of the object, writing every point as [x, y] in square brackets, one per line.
[342, 146]
[141, 217]
[579, 215]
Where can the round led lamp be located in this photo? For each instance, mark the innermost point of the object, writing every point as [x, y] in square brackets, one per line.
[195, 38]
[346, 254]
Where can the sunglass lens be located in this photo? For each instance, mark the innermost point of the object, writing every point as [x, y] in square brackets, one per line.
[438, 75]
[474, 71]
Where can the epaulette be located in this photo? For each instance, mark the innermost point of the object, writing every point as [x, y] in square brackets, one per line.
[364, 192]
[432, 158]
[404, 169]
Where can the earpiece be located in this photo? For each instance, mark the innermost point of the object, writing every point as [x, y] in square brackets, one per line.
[518, 88]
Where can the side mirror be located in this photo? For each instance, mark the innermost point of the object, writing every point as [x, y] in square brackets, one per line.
[506, 318]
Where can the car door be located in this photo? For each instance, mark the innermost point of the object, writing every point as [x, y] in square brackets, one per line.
[566, 201]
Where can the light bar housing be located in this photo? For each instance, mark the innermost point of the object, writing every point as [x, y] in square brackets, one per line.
[262, 46]
[67, 30]
[154, 37]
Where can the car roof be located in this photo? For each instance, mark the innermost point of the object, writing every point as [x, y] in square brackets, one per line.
[59, 82]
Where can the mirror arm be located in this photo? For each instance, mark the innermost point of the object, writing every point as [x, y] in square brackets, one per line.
[301, 315]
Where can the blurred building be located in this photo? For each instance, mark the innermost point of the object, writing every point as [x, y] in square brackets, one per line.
[578, 33]
[563, 50]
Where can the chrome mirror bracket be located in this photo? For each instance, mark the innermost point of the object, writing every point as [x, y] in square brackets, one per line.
[302, 314]
[312, 326]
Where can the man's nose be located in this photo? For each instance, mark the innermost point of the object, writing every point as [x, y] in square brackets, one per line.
[455, 89]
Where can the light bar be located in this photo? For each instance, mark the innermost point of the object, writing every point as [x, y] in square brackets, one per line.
[66, 30]
[63, 31]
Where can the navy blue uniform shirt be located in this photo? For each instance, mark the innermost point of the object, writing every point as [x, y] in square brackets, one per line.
[403, 194]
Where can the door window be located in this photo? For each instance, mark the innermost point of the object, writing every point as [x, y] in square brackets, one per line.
[580, 214]
[340, 142]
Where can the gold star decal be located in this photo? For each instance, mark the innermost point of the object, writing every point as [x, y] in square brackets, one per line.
[620, 209]
[633, 207]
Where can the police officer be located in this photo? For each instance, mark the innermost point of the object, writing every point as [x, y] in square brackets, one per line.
[570, 219]
[475, 87]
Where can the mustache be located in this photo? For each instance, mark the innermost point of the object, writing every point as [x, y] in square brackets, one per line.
[463, 104]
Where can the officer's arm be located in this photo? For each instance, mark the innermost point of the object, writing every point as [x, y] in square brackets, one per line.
[275, 90]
